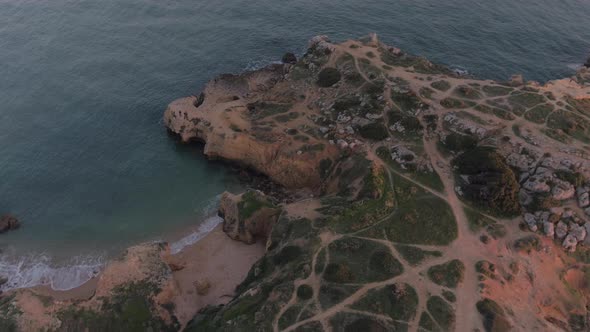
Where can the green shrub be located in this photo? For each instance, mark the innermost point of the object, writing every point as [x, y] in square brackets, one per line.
[449, 274]
[494, 319]
[328, 77]
[287, 254]
[441, 85]
[459, 142]
[442, 312]
[304, 292]
[492, 183]
[374, 131]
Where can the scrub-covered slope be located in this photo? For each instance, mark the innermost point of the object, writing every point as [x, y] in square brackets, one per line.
[419, 180]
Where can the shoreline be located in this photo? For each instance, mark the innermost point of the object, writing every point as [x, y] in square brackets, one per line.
[215, 260]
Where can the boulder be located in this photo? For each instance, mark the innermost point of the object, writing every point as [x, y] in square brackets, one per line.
[516, 80]
[577, 231]
[8, 223]
[561, 230]
[583, 199]
[248, 216]
[289, 58]
[3, 280]
[202, 286]
[563, 190]
[531, 221]
[587, 64]
[549, 229]
[570, 243]
[536, 184]
[321, 44]
[587, 240]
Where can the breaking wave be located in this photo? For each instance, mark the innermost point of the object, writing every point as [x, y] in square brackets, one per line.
[207, 226]
[35, 270]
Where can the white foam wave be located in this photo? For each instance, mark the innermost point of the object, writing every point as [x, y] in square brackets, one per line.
[574, 66]
[207, 226]
[211, 206]
[461, 71]
[259, 64]
[35, 270]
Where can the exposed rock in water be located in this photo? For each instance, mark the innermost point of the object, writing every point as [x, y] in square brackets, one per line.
[289, 58]
[8, 223]
[248, 216]
[587, 64]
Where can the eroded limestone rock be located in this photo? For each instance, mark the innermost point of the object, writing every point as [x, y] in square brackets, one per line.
[248, 216]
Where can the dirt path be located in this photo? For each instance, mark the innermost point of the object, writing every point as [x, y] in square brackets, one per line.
[465, 248]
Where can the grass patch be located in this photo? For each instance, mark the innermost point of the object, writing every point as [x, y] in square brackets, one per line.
[441, 85]
[328, 77]
[539, 113]
[429, 179]
[408, 102]
[569, 124]
[528, 244]
[496, 90]
[456, 103]
[442, 312]
[261, 110]
[250, 203]
[449, 274]
[426, 92]
[332, 294]
[427, 323]
[520, 102]
[467, 92]
[415, 255]
[492, 184]
[449, 296]
[374, 131]
[356, 260]
[398, 301]
[455, 142]
[498, 112]
[304, 292]
[493, 316]
[417, 211]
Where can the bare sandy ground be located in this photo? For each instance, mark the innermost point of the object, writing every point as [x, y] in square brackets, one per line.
[216, 260]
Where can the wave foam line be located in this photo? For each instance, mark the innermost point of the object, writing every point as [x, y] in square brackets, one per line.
[207, 226]
[36, 270]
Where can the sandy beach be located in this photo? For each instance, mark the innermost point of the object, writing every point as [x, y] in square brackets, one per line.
[216, 260]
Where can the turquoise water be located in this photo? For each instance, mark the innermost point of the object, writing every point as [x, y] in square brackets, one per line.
[85, 162]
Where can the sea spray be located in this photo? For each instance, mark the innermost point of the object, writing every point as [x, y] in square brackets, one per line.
[35, 270]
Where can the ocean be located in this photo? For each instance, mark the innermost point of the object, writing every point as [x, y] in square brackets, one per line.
[85, 162]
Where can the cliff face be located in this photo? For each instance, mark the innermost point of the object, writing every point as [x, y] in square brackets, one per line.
[248, 216]
[232, 117]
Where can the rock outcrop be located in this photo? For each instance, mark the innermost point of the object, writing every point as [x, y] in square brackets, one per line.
[234, 118]
[248, 216]
[8, 223]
